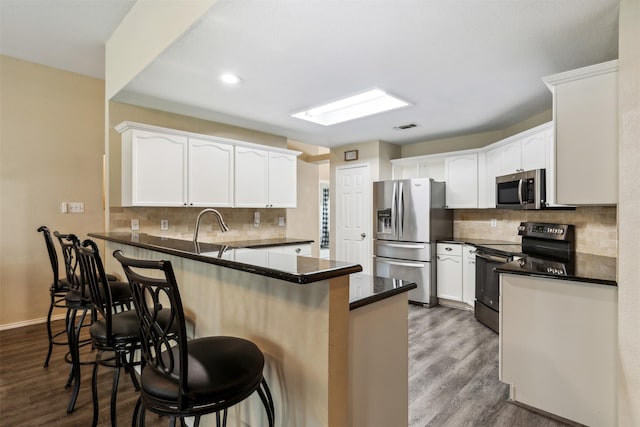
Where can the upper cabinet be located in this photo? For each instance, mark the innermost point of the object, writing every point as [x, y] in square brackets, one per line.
[585, 110]
[165, 167]
[522, 152]
[154, 169]
[211, 166]
[265, 179]
[461, 173]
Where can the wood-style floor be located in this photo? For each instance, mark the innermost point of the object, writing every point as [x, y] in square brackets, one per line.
[453, 379]
[453, 374]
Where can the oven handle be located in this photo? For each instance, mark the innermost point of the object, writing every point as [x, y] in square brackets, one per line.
[500, 259]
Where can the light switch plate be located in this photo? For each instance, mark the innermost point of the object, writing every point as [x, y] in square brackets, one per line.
[281, 221]
[75, 207]
[135, 224]
[164, 224]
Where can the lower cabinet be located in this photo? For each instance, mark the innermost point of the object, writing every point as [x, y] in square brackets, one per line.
[449, 271]
[456, 272]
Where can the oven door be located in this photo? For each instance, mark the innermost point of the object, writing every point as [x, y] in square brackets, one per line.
[487, 280]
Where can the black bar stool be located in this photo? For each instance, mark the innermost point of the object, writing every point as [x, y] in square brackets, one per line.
[187, 379]
[116, 330]
[57, 291]
[77, 300]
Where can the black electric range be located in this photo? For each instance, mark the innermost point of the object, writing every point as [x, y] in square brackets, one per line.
[548, 247]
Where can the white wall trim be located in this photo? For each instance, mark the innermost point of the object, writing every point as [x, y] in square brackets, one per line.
[8, 326]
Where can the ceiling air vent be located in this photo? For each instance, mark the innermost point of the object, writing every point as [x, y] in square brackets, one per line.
[404, 127]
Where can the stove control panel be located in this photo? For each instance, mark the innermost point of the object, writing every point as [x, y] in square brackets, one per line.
[546, 231]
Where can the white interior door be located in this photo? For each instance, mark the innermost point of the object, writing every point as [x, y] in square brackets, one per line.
[353, 215]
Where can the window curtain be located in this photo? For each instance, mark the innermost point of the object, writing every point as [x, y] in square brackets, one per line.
[324, 240]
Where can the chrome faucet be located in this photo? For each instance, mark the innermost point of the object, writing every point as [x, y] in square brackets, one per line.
[221, 223]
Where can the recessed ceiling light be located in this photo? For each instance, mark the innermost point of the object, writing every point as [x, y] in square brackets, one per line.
[353, 107]
[230, 79]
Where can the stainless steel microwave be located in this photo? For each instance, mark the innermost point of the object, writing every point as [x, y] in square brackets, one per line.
[521, 190]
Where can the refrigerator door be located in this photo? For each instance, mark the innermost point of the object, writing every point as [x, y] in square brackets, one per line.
[415, 271]
[414, 205]
[385, 205]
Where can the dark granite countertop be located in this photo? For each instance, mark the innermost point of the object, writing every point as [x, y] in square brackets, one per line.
[365, 289]
[580, 268]
[265, 243]
[291, 268]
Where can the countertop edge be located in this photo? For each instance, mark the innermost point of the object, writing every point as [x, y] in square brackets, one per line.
[301, 279]
[504, 269]
[379, 297]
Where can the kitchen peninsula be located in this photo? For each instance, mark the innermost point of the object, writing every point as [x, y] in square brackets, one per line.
[327, 343]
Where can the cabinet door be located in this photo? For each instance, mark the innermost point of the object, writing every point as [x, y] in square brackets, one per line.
[251, 178]
[449, 275]
[210, 173]
[511, 158]
[494, 168]
[158, 169]
[534, 151]
[282, 180]
[468, 275]
[462, 181]
[586, 122]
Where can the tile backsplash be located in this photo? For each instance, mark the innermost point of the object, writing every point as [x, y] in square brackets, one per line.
[182, 223]
[595, 227]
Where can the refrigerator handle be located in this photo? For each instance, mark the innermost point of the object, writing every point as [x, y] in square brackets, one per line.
[401, 211]
[394, 207]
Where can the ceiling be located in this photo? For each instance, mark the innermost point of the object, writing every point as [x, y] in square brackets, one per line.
[465, 66]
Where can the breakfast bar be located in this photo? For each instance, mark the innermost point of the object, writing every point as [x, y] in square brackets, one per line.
[327, 339]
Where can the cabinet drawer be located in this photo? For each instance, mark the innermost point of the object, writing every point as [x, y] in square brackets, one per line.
[301, 250]
[449, 249]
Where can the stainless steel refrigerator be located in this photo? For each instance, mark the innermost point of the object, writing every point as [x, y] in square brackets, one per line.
[409, 216]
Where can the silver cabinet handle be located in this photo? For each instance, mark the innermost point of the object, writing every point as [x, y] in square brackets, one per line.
[298, 250]
[448, 249]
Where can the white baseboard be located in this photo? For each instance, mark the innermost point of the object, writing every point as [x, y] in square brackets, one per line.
[30, 322]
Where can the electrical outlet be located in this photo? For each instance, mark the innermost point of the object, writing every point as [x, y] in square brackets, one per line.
[75, 207]
[135, 224]
[164, 224]
[494, 222]
[281, 221]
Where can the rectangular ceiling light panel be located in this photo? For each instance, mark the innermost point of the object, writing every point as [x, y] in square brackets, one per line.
[354, 107]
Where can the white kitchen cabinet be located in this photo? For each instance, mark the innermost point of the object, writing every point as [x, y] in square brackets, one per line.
[449, 271]
[525, 151]
[431, 166]
[252, 178]
[468, 274]
[167, 167]
[265, 179]
[154, 169]
[462, 181]
[282, 180]
[585, 111]
[210, 173]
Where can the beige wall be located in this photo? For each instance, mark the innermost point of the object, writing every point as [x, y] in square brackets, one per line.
[51, 146]
[629, 214]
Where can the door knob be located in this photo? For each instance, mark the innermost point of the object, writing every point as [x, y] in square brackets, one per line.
[363, 235]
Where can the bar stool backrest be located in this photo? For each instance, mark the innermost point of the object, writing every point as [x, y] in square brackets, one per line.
[69, 244]
[150, 296]
[53, 258]
[93, 275]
